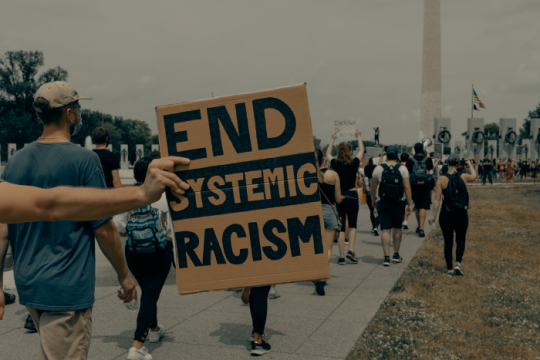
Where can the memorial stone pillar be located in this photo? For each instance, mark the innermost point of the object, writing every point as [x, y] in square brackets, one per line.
[535, 139]
[124, 155]
[507, 138]
[155, 147]
[12, 149]
[139, 152]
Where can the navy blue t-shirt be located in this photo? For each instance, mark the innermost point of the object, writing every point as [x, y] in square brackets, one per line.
[54, 262]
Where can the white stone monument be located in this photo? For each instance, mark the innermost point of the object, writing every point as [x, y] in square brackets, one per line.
[507, 138]
[431, 106]
[109, 147]
[12, 149]
[492, 144]
[124, 155]
[155, 147]
[139, 152]
[535, 139]
[474, 126]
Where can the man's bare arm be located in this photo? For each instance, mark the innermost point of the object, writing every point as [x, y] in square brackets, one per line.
[109, 241]
[3, 252]
[116, 179]
[27, 203]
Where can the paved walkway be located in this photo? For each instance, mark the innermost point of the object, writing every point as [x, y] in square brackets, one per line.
[301, 324]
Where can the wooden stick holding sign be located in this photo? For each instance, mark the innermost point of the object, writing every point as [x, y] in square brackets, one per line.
[253, 214]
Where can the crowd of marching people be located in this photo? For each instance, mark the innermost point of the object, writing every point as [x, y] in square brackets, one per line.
[53, 179]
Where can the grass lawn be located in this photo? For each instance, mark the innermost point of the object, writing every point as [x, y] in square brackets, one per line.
[493, 312]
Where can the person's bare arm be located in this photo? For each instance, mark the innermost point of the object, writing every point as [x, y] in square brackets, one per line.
[108, 239]
[360, 154]
[407, 185]
[26, 203]
[116, 179]
[469, 177]
[436, 200]
[381, 158]
[3, 252]
[337, 187]
[374, 188]
[329, 156]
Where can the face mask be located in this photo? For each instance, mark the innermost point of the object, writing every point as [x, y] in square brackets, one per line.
[75, 129]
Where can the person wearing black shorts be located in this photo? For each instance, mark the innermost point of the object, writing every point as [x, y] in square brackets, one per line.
[421, 194]
[347, 168]
[391, 212]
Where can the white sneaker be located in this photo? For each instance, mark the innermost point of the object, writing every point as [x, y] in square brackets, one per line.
[273, 294]
[405, 225]
[155, 336]
[142, 354]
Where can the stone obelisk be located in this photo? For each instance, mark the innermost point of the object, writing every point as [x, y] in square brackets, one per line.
[431, 68]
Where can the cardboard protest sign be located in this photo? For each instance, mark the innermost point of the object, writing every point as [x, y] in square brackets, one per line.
[253, 214]
[345, 129]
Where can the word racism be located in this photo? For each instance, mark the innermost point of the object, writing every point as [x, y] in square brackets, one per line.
[345, 129]
[252, 215]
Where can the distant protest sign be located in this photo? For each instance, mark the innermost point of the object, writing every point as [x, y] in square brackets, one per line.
[253, 214]
[345, 129]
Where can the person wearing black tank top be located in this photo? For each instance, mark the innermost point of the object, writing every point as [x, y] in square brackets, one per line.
[451, 222]
[347, 168]
[330, 191]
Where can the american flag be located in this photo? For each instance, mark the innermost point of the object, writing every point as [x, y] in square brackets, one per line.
[476, 100]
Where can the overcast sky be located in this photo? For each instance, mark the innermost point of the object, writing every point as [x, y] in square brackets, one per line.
[361, 59]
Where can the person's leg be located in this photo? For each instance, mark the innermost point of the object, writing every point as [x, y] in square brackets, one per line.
[397, 234]
[341, 240]
[448, 235]
[461, 234]
[385, 241]
[329, 234]
[417, 214]
[151, 272]
[372, 217]
[422, 218]
[258, 305]
[484, 176]
[352, 216]
[490, 177]
[63, 334]
[346, 225]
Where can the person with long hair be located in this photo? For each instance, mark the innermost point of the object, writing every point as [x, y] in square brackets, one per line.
[450, 220]
[509, 171]
[330, 192]
[347, 167]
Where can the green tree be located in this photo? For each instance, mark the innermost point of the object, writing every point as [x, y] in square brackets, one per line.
[19, 81]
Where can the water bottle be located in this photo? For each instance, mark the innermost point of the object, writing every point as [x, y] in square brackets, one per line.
[133, 305]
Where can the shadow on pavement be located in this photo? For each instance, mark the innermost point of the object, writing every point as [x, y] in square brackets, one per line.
[239, 334]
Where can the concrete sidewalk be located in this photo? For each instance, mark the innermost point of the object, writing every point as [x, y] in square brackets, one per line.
[300, 325]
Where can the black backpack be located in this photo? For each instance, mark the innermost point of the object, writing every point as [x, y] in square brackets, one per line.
[391, 187]
[457, 197]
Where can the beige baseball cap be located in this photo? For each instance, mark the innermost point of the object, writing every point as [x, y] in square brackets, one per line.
[56, 94]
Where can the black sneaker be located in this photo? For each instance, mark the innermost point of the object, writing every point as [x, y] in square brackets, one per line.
[346, 241]
[417, 230]
[260, 349]
[319, 287]
[421, 233]
[396, 258]
[375, 231]
[457, 270]
[341, 261]
[9, 298]
[386, 261]
[29, 324]
[352, 257]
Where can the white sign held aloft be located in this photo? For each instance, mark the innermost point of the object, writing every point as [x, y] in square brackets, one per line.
[345, 129]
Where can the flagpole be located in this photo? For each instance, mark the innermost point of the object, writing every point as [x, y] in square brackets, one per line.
[472, 100]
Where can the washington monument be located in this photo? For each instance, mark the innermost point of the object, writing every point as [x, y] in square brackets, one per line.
[431, 67]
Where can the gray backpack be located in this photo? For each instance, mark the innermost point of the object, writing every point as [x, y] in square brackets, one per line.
[419, 175]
